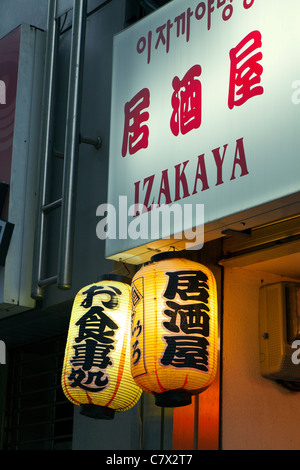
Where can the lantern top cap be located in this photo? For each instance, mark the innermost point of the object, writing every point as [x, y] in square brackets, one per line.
[113, 277]
[167, 255]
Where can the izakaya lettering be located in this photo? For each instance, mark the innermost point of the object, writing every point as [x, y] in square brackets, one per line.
[182, 351]
[245, 72]
[181, 25]
[148, 183]
[95, 340]
[193, 318]
[135, 133]
[174, 184]
[186, 100]
[163, 35]
[188, 346]
[189, 285]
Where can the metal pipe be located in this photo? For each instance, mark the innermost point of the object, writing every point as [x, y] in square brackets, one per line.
[45, 149]
[51, 206]
[48, 281]
[66, 241]
[95, 143]
[58, 154]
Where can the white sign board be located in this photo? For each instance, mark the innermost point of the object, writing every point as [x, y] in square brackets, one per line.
[204, 112]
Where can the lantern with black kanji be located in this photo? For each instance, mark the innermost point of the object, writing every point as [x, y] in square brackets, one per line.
[96, 373]
[174, 329]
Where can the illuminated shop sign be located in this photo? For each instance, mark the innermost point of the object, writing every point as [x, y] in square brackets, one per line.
[204, 112]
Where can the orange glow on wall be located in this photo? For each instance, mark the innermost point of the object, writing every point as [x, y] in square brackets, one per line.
[175, 329]
[96, 372]
[197, 426]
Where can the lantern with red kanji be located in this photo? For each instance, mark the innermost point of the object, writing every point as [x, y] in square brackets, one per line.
[174, 329]
[96, 373]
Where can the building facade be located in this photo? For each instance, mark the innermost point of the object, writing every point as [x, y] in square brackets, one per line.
[64, 70]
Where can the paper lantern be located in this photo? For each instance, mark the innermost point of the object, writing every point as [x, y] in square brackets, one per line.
[96, 372]
[175, 329]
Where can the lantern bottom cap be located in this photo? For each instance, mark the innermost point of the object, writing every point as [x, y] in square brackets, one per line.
[97, 412]
[173, 398]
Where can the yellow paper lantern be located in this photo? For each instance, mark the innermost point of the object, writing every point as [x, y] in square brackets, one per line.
[174, 329]
[96, 373]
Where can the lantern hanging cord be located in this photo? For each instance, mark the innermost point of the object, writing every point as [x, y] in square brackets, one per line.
[119, 270]
[125, 266]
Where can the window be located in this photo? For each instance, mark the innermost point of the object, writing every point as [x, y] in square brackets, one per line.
[38, 415]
